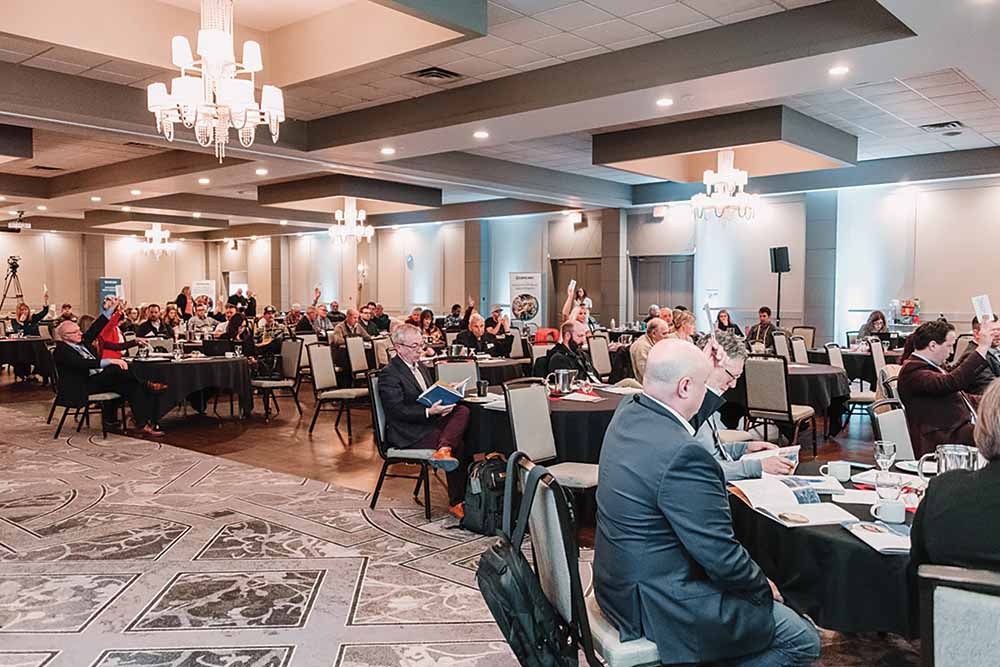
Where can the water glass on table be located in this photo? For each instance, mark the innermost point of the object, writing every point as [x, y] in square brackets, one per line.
[885, 453]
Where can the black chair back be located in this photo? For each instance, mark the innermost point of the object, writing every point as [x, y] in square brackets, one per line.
[378, 414]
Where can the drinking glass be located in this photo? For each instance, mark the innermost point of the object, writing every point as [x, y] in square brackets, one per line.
[888, 485]
[885, 453]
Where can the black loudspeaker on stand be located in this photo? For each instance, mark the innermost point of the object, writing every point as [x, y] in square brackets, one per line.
[779, 265]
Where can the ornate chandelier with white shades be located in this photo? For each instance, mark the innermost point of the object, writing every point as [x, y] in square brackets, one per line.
[724, 192]
[217, 98]
[351, 223]
[157, 240]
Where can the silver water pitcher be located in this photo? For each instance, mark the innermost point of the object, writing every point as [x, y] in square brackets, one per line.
[951, 457]
[561, 381]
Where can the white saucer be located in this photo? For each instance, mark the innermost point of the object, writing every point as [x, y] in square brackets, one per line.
[930, 467]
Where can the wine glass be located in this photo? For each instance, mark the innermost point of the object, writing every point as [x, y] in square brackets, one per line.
[885, 453]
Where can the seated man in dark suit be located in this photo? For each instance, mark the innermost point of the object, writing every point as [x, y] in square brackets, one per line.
[154, 327]
[81, 373]
[763, 331]
[410, 425]
[938, 410]
[957, 522]
[477, 339]
[570, 355]
[667, 565]
[991, 371]
[310, 323]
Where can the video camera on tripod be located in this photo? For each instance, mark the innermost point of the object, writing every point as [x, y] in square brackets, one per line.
[13, 264]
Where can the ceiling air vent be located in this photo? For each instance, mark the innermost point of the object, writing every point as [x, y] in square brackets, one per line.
[39, 167]
[434, 76]
[951, 128]
[138, 144]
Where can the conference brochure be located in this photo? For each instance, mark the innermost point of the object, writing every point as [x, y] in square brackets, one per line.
[449, 393]
[794, 501]
[884, 538]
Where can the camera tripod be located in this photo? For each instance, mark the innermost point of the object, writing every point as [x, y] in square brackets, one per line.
[11, 280]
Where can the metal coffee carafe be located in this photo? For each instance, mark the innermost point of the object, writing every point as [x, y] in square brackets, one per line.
[561, 381]
[951, 457]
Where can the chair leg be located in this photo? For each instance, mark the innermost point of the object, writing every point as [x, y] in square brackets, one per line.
[340, 412]
[85, 417]
[51, 412]
[814, 435]
[378, 486]
[795, 434]
[104, 426]
[347, 408]
[425, 471]
[124, 420]
[312, 425]
[274, 399]
[267, 406]
[416, 489]
[61, 422]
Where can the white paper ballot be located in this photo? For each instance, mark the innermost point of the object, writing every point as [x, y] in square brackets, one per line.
[572, 287]
[981, 304]
[120, 291]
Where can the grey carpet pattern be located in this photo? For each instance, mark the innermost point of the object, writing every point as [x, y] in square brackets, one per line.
[119, 552]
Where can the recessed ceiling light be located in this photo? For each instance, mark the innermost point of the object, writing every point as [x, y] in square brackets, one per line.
[42, 207]
[388, 150]
[284, 222]
[204, 181]
[95, 199]
[126, 208]
[665, 102]
[196, 215]
[183, 239]
[135, 193]
[395, 226]
[298, 234]
[261, 172]
[2, 198]
[839, 70]
[12, 212]
[481, 134]
[253, 238]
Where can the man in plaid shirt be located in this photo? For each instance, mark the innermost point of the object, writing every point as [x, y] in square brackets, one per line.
[269, 329]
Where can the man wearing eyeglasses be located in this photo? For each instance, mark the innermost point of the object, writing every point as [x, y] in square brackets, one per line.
[410, 425]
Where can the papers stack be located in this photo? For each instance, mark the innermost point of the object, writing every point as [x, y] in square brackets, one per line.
[793, 501]
[882, 537]
[583, 398]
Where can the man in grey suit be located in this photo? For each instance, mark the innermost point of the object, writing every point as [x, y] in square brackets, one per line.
[667, 565]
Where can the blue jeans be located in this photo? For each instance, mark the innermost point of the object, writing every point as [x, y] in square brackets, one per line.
[796, 642]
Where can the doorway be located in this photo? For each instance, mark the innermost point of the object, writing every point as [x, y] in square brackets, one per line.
[586, 273]
[665, 281]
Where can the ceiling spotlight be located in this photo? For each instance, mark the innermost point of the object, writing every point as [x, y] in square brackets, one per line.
[839, 70]
[12, 212]
[135, 193]
[481, 134]
[95, 199]
[298, 234]
[261, 172]
[196, 215]
[665, 102]
[2, 198]
[388, 150]
[183, 239]
[226, 240]
[253, 238]
[126, 208]
[204, 181]
[42, 207]
[283, 223]
[395, 226]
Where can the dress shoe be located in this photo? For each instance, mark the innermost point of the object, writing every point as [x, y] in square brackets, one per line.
[444, 460]
[152, 432]
[458, 510]
[156, 387]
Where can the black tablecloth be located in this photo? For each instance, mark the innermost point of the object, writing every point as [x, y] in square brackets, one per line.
[827, 573]
[29, 350]
[613, 336]
[578, 428]
[190, 376]
[825, 388]
[859, 365]
[501, 370]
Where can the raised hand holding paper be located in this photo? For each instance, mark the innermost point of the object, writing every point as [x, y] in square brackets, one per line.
[981, 304]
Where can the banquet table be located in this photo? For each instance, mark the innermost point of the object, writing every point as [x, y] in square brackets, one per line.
[827, 573]
[497, 370]
[615, 334]
[578, 428]
[27, 350]
[825, 388]
[192, 375]
[858, 363]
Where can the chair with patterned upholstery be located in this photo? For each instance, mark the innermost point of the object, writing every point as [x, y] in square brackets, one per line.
[959, 608]
[800, 352]
[808, 334]
[94, 404]
[858, 398]
[454, 371]
[601, 356]
[781, 347]
[291, 350]
[767, 396]
[325, 387]
[889, 423]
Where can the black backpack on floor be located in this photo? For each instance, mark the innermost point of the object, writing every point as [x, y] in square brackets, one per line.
[484, 492]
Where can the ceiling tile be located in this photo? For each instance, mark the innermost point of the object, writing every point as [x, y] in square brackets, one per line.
[894, 98]
[626, 7]
[539, 64]
[71, 56]
[960, 109]
[473, 66]
[963, 98]
[719, 8]
[516, 56]
[401, 86]
[19, 46]
[688, 29]
[362, 92]
[667, 18]
[532, 6]
[883, 88]
[497, 75]
[524, 30]
[478, 47]
[56, 65]
[943, 78]
[110, 77]
[131, 70]
[748, 14]
[795, 4]
[596, 51]
[497, 14]
[560, 45]
[399, 66]
[638, 41]
[338, 100]
[575, 16]
[951, 89]
[438, 56]
[612, 31]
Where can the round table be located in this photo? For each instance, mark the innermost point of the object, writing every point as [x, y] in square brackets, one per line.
[578, 428]
[858, 364]
[496, 371]
[615, 334]
[189, 376]
[827, 573]
[28, 350]
[825, 388]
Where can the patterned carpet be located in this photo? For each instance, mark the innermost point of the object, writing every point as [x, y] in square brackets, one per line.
[121, 552]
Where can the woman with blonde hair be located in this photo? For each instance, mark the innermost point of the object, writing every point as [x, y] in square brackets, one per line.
[24, 322]
[684, 325]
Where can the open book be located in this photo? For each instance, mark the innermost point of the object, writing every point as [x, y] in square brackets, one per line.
[793, 501]
[446, 392]
[882, 537]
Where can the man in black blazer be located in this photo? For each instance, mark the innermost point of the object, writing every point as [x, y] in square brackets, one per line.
[570, 355]
[153, 327]
[477, 339]
[991, 370]
[81, 373]
[667, 564]
[410, 425]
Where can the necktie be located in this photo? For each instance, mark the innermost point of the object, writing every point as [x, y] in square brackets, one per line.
[721, 451]
[84, 352]
[419, 377]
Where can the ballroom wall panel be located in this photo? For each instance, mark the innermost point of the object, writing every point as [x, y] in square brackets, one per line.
[423, 265]
[675, 234]
[517, 245]
[147, 279]
[47, 260]
[259, 271]
[568, 240]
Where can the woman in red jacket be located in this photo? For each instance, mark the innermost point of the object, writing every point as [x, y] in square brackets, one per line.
[111, 341]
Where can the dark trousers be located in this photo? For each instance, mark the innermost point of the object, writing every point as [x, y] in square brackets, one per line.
[122, 382]
[449, 431]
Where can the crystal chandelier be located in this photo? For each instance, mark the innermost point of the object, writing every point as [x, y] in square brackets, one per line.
[216, 99]
[157, 240]
[724, 192]
[351, 223]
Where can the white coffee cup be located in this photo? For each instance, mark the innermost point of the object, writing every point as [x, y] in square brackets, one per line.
[230, 355]
[839, 470]
[890, 511]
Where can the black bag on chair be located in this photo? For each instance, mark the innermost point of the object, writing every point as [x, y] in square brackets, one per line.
[484, 493]
[535, 631]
